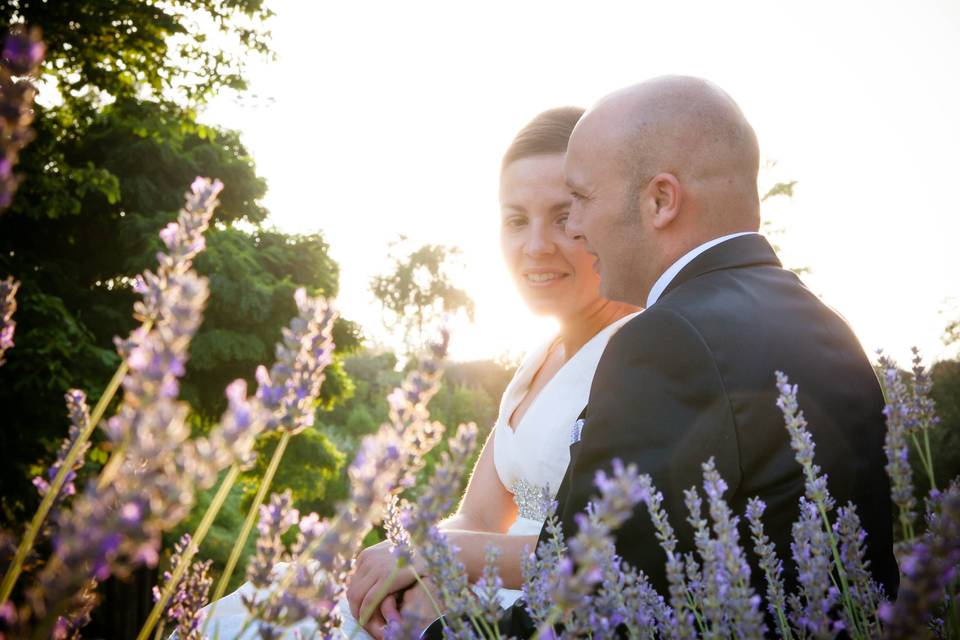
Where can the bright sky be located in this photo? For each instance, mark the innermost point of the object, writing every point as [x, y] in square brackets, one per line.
[387, 118]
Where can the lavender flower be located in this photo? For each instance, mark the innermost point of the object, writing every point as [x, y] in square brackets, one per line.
[684, 614]
[802, 444]
[8, 304]
[626, 598]
[771, 565]
[116, 523]
[590, 591]
[385, 463]
[275, 519]
[79, 417]
[899, 424]
[488, 585]
[812, 608]
[864, 590]
[190, 595]
[397, 535]
[232, 440]
[929, 566]
[537, 567]
[289, 390]
[732, 572]
[440, 557]
[22, 53]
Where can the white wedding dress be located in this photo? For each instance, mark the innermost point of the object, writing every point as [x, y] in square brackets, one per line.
[529, 457]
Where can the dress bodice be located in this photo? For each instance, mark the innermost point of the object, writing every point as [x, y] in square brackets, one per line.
[533, 455]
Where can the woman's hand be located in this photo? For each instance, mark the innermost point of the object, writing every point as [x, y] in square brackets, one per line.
[376, 575]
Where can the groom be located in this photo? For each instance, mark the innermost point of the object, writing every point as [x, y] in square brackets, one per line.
[664, 182]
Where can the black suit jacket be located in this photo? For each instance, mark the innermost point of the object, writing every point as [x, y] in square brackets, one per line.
[692, 377]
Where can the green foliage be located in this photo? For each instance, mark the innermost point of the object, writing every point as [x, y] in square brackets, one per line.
[452, 406]
[945, 437]
[252, 279]
[136, 48]
[113, 155]
[779, 189]
[309, 464]
[54, 352]
[470, 393]
[223, 533]
[418, 291]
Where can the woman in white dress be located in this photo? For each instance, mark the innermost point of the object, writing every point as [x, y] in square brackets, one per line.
[528, 446]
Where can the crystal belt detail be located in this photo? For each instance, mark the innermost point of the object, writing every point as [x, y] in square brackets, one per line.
[532, 499]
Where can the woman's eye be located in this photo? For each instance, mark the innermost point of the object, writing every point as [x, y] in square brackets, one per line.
[562, 219]
[514, 222]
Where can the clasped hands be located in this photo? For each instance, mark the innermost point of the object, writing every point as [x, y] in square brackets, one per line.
[380, 591]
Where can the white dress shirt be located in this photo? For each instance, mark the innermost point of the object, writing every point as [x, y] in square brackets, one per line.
[667, 277]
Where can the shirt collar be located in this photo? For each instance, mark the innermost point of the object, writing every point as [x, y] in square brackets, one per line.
[664, 280]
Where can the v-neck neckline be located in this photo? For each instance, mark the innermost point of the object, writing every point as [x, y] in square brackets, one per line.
[542, 360]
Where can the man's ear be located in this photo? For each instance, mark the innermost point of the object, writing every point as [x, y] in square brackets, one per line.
[666, 193]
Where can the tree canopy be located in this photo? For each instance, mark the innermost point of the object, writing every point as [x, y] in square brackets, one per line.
[117, 144]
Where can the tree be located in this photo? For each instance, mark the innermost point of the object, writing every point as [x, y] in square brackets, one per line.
[99, 50]
[106, 172]
[117, 144]
[418, 291]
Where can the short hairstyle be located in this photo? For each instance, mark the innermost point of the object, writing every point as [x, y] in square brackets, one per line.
[546, 134]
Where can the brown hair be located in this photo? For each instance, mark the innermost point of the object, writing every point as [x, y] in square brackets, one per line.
[547, 133]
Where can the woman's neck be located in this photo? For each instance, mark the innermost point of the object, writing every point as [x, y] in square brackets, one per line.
[579, 330]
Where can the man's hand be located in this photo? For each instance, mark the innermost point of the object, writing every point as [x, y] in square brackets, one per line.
[372, 582]
[417, 603]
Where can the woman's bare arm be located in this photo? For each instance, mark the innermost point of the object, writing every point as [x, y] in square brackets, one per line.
[482, 520]
[486, 504]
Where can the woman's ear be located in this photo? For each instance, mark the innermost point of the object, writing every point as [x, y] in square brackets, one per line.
[666, 193]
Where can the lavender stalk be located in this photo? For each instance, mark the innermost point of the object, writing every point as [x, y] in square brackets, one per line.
[386, 462]
[172, 299]
[287, 395]
[8, 305]
[23, 52]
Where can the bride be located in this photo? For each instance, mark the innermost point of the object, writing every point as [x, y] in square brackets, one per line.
[528, 446]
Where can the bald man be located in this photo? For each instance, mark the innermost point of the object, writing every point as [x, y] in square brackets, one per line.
[664, 182]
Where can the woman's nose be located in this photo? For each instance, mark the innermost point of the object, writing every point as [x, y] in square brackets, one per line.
[539, 242]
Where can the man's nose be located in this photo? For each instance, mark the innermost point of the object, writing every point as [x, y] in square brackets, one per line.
[573, 227]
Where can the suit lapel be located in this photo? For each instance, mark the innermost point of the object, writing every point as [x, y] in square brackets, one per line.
[745, 251]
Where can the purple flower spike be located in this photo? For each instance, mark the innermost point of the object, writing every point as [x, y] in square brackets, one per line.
[116, 523]
[8, 304]
[23, 51]
[802, 444]
[930, 564]
[79, 417]
[590, 592]
[771, 565]
[315, 577]
[190, 595]
[899, 425]
[289, 391]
